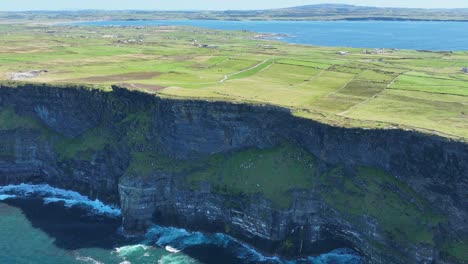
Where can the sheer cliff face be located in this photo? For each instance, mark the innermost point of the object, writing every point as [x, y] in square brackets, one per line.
[287, 185]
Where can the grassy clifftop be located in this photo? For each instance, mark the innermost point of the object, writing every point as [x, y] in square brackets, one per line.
[425, 91]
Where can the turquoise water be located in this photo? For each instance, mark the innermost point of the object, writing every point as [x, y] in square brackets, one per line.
[44, 225]
[416, 35]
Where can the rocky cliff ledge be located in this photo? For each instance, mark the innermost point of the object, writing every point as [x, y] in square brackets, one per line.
[287, 185]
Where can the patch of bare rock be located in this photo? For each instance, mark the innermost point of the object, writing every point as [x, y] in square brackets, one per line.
[18, 76]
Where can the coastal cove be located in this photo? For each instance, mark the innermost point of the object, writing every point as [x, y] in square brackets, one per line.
[415, 35]
[58, 226]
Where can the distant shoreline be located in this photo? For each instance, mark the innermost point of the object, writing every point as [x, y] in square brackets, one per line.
[262, 20]
[321, 12]
[324, 33]
[357, 19]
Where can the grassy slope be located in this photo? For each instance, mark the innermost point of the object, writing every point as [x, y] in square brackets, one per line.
[410, 89]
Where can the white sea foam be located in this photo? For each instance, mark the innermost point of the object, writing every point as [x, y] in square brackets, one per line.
[88, 260]
[175, 240]
[176, 259]
[337, 256]
[127, 253]
[6, 196]
[53, 195]
[180, 238]
[128, 250]
[171, 249]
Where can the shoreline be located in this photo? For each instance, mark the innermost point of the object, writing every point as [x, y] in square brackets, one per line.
[284, 37]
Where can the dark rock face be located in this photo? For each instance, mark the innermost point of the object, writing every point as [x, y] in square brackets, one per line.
[220, 127]
[141, 152]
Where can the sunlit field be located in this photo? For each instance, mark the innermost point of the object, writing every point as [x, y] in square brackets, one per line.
[426, 91]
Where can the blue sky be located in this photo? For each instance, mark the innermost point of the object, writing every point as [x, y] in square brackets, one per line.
[210, 4]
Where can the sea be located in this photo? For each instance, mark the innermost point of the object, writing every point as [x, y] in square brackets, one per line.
[414, 35]
[40, 224]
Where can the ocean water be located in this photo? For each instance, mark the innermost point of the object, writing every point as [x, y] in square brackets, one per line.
[44, 225]
[416, 35]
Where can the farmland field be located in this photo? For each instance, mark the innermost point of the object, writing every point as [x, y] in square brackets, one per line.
[426, 91]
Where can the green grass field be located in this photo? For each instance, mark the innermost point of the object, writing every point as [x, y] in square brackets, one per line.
[426, 91]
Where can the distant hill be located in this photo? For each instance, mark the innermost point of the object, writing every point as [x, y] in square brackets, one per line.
[306, 12]
[353, 12]
[358, 8]
[329, 6]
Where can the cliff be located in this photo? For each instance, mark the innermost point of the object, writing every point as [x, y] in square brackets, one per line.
[287, 185]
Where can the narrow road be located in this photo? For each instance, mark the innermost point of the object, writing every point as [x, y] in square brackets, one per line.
[310, 79]
[226, 77]
[344, 86]
[370, 98]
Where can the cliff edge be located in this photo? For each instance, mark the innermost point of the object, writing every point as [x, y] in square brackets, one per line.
[285, 184]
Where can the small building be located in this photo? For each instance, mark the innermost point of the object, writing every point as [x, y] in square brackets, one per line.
[342, 53]
[378, 51]
[265, 46]
[465, 70]
[206, 46]
[374, 51]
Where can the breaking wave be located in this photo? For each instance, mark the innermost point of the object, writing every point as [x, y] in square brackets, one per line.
[6, 196]
[176, 240]
[54, 195]
[88, 260]
[168, 245]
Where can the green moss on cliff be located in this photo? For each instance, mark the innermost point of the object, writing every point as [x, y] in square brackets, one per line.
[10, 120]
[7, 148]
[397, 209]
[145, 156]
[271, 172]
[141, 164]
[81, 147]
[457, 250]
[84, 146]
[147, 163]
[137, 127]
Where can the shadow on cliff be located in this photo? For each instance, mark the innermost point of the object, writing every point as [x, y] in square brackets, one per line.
[72, 228]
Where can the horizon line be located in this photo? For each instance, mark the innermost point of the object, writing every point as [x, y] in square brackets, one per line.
[226, 10]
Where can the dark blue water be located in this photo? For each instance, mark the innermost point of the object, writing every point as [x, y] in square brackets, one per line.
[420, 35]
[44, 225]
